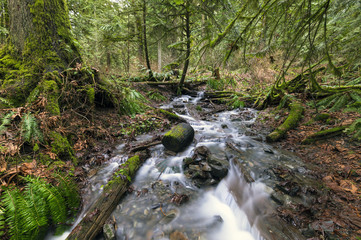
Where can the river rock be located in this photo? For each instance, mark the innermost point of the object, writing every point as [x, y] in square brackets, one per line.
[219, 167]
[109, 232]
[179, 137]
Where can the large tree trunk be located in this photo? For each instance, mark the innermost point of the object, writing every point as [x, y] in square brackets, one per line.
[40, 42]
[145, 40]
[40, 31]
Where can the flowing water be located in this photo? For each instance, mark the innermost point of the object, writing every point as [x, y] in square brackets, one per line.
[227, 211]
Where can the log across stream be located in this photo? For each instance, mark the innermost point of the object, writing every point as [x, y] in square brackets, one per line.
[164, 202]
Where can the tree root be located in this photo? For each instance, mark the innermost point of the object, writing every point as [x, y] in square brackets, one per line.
[324, 134]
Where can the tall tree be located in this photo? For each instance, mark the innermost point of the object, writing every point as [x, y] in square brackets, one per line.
[40, 42]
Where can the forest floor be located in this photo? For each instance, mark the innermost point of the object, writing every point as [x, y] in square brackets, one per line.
[335, 163]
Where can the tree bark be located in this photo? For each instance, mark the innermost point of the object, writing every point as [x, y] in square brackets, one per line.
[99, 212]
[145, 40]
[40, 30]
[188, 51]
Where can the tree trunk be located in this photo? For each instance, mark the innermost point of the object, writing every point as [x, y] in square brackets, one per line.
[159, 56]
[188, 51]
[40, 30]
[145, 39]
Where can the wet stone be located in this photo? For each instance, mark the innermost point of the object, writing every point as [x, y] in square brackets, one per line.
[109, 232]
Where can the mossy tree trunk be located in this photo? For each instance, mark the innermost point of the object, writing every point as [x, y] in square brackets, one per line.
[41, 29]
[40, 41]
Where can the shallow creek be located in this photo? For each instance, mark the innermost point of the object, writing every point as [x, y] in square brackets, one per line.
[228, 210]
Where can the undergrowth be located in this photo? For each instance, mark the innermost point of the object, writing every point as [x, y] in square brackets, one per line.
[28, 213]
[350, 101]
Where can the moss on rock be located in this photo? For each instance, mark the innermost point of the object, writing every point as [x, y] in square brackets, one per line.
[61, 147]
[179, 137]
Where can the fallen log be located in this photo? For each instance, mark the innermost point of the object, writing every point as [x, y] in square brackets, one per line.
[291, 122]
[324, 134]
[170, 115]
[145, 145]
[99, 212]
[179, 137]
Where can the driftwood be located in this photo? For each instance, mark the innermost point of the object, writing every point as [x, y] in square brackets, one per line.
[145, 145]
[99, 212]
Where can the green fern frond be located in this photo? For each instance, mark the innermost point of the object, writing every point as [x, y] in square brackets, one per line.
[5, 102]
[327, 101]
[10, 201]
[6, 122]
[29, 128]
[355, 96]
[354, 82]
[132, 102]
[355, 129]
[53, 198]
[341, 102]
[68, 189]
[2, 221]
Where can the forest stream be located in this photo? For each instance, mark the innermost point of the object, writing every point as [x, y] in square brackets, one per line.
[165, 200]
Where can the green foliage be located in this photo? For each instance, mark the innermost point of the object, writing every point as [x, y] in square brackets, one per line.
[236, 102]
[30, 130]
[132, 102]
[69, 190]
[216, 84]
[156, 96]
[5, 122]
[355, 129]
[40, 204]
[2, 221]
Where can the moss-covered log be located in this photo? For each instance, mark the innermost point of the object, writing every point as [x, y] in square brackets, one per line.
[324, 134]
[170, 115]
[179, 137]
[100, 211]
[291, 122]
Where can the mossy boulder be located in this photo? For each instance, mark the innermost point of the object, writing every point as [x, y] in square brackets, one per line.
[61, 147]
[179, 137]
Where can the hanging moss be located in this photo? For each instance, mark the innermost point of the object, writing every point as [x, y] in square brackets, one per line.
[91, 94]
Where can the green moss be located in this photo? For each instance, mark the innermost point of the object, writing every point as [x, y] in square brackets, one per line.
[51, 91]
[323, 117]
[291, 122]
[91, 94]
[324, 134]
[125, 172]
[61, 147]
[176, 132]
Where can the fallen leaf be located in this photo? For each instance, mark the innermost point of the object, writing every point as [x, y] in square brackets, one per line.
[348, 186]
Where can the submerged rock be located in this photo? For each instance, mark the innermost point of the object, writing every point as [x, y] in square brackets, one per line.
[109, 231]
[179, 137]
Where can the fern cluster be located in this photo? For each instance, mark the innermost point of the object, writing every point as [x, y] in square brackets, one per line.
[29, 212]
[132, 101]
[6, 121]
[29, 129]
[350, 101]
[156, 96]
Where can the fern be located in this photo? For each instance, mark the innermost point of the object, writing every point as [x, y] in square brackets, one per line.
[6, 122]
[68, 189]
[340, 103]
[11, 203]
[2, 221]
[156, 96]
[5, 102]
[28, 212]
[355, 128]
[132, 102]
[53, 198]
[29, 129]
